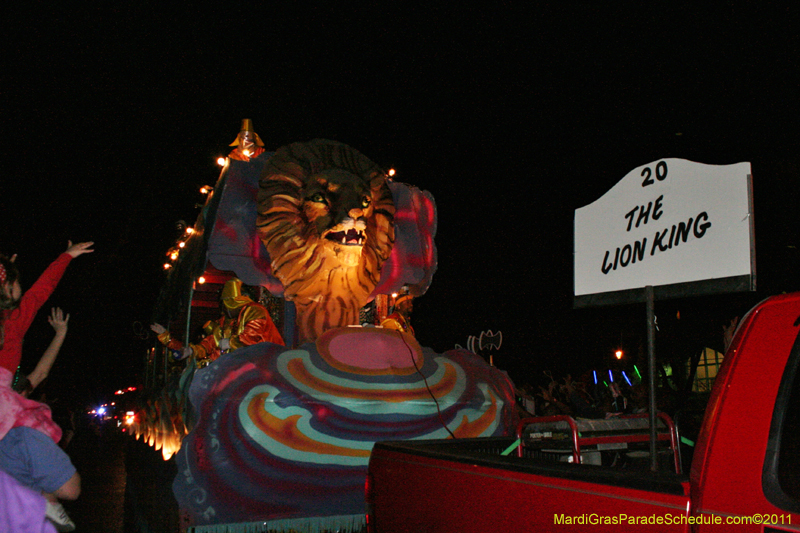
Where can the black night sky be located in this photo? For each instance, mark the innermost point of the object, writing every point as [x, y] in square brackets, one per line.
[512, 116]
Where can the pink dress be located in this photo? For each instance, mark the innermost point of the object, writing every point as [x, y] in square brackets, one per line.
[16, 410]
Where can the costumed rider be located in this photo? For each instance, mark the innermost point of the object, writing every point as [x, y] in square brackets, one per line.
[248, 144]
[243, 322]
[400, 319]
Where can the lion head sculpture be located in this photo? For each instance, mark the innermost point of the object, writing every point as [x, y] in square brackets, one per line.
[326, 217]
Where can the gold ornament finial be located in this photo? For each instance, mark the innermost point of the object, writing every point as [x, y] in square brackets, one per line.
[247, 135]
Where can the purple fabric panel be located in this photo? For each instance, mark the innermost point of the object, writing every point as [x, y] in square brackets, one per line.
[234, 244]
[413, 261]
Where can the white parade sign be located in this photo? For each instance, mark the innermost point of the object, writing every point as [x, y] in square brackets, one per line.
[667, 223]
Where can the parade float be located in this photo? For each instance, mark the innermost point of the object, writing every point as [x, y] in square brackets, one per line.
[271, 437]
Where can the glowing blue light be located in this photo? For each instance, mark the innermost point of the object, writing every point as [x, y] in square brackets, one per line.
[594, 372]
[624, 375]
[610, 375]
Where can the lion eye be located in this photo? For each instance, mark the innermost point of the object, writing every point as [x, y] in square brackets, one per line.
[318, 197]
[365, 201]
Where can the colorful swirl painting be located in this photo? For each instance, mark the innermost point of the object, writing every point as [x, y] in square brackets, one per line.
[286, 433]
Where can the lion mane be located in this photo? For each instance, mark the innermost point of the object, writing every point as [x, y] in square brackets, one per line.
[326, 217]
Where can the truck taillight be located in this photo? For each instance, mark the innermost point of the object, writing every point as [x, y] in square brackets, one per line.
[369, 498]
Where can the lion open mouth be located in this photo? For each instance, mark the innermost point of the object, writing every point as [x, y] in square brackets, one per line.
[351, 237]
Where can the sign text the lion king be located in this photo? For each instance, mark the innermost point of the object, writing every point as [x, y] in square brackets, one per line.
[666, 223]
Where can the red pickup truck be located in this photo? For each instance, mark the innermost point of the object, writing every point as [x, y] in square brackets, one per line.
[744, 475]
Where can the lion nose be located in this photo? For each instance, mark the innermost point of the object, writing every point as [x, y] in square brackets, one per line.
[356, 213]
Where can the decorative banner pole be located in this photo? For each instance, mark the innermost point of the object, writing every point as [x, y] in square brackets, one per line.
[651, 379]
[188, 329]
[489, 340]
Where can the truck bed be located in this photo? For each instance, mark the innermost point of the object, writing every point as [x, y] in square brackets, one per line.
[474, 471]
[486, 452]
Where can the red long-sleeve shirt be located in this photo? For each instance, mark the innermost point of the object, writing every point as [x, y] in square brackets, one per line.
[17, 321]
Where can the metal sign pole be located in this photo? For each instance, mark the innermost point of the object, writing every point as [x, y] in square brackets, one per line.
[651, 362]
